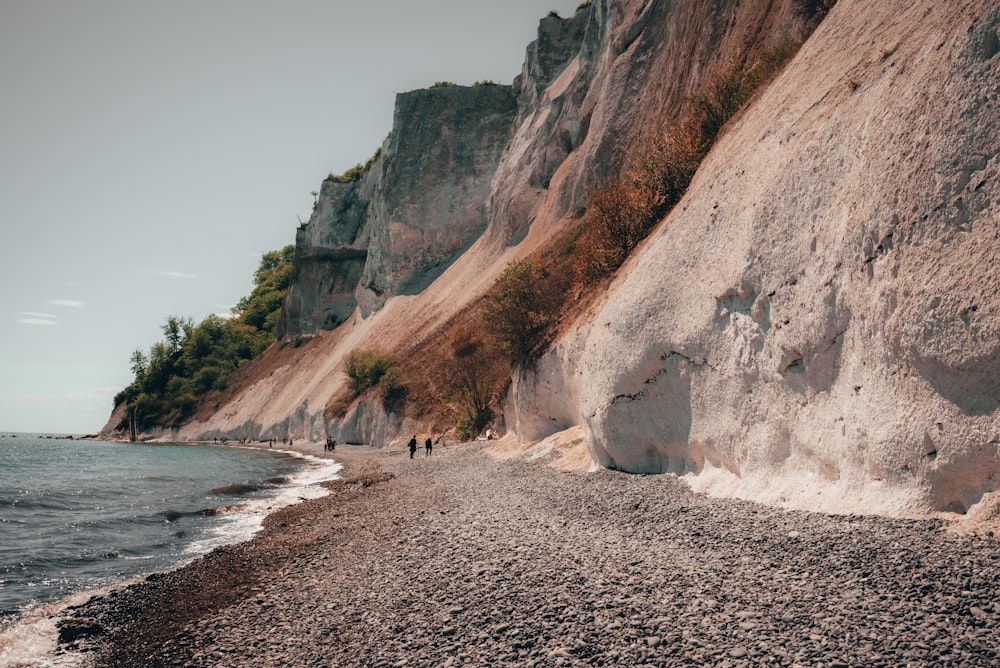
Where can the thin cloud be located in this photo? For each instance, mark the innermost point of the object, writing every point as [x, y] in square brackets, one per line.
[34, 314]
[173, 274]
[39, 319]
[70, 303]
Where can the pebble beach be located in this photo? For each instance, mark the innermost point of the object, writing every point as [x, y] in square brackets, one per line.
[460, 559]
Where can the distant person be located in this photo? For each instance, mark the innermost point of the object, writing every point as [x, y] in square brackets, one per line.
[413, 446]
[428, 444]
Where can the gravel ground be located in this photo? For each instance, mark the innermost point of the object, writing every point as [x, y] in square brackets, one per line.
[461, 560]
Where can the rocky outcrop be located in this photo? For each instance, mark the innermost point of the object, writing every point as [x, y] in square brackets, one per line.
[330, 254]
[431, 192]
[817, 325]
[437, 168]
[418, 205]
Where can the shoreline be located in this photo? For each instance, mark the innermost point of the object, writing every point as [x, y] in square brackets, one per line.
[461, 559]
[31, 635]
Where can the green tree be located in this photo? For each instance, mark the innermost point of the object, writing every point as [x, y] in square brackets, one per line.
[368, 369]
[193, 360]
[138, 363]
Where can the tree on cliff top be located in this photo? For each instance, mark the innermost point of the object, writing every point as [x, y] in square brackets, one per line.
[193, 360]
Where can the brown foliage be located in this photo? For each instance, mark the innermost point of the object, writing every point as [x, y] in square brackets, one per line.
[657, 171]
[521, 307]
[477, 374]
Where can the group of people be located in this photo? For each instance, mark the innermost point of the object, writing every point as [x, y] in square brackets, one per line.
[331, 444]
[428, 446]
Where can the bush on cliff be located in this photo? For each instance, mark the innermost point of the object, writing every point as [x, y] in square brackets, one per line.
[521, 307]
[623, 208]
[351, 175]
[357, 171]
[475, 375]
[368, 369]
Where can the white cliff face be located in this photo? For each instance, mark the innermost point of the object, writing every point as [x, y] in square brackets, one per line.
[436, 173]
[818, 322]
[816, 325]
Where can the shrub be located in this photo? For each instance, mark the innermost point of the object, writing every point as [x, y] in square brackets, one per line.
[583, 5]
[622, 212]
[521, 307]
[485, 82]
[812, 11]
[728, 91]
[371, 160]
[444, 84]
[476, 374]
[623, 209]
[351, 175]
[368, 369]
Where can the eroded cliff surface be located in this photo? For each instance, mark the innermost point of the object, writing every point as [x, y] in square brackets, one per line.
[418, 205]
[815, 325]
[818, 323]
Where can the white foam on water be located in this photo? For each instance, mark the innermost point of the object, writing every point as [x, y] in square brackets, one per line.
[242, 523]
[31, 639]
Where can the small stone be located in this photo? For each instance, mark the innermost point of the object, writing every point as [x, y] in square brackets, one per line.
[738, 652]
[78, 627]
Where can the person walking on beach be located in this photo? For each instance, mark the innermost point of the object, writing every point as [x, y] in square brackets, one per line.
[428, 444]
[413, 446]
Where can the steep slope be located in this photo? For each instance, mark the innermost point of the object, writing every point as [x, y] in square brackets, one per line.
[815, 325]
[589, 84]
[818, 323]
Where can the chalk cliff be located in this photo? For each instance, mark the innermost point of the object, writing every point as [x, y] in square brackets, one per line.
[814, 325]
[817, 324]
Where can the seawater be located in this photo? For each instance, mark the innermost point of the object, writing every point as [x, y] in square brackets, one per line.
[78, 516]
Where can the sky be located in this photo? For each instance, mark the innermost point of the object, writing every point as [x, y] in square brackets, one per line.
[150, 152]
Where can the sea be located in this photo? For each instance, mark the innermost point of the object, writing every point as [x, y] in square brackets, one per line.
[80, 516]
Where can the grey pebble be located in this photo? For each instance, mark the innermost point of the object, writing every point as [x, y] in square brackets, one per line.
[465, 561]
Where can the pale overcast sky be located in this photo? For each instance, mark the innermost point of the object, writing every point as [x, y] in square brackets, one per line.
[150, 152]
